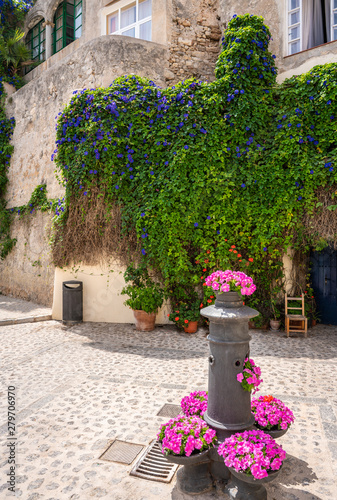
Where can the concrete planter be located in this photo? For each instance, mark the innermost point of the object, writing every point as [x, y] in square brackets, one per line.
[194, 477]
[273, 433]
[244, 487]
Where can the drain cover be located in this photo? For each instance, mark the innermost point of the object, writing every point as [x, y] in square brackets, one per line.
[169, 411]
[154, 466]
[122, 452]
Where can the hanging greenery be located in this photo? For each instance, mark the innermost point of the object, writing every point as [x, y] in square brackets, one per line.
[203, 175]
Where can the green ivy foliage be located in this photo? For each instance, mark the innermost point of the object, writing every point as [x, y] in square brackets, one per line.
[211, 175]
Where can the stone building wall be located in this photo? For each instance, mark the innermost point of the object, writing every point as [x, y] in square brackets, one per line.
[194, 39]
[27, 271]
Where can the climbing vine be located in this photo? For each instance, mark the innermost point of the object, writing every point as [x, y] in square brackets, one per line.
[202, 175]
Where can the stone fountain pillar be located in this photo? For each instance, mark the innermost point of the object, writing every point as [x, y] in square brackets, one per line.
[229, 406]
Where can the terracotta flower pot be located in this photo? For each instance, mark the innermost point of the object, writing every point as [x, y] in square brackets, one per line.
[275, 325]
[192, 327]
[145, 322]
[313, 322]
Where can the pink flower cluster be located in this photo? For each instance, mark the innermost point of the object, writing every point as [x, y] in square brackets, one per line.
[253, 453]
[251, 377]
[184, 435]
[235, 281]
[270, 413]
[195, 403]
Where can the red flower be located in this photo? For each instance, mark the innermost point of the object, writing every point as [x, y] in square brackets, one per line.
[230, 250]
[186, 321]
[233, 246]
[240, 260]
[212, 297]
[235, 251]
[197, 261]
[201, 305]
[168, 315]
[204, 284]
[206, 260]
[177, 312]
[202, 278]
[239, 255]
[250, 259]
[176, 319]
[225, 240]
[208, 251]
[204, 270]
[209, 301]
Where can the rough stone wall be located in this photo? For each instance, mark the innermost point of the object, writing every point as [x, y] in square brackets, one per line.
[194, 39]
[27, 271]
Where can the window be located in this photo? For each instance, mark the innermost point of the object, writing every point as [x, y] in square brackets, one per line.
[310, 23]
[35, 41]
[68, 24]
[132, 20]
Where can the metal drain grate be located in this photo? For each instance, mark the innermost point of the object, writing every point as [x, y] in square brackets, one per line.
[122, 452]
[169, 411]
[153, 465]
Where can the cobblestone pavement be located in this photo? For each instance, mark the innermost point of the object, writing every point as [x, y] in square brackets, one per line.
[15, 310]
[79, 388]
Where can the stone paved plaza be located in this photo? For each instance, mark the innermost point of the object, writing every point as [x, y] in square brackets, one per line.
[80, 387]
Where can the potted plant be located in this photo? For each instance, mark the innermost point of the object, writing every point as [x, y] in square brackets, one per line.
[145, 297]
[186, 316]
[230, 281]
[272, 416]
[186, 441]
[195, 404]
[275, 322]
[250, 378]
[252, 457]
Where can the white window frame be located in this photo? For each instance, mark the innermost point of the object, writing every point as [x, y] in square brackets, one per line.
[289, 11]
[118, 7]
[333, 26]
[289, 26]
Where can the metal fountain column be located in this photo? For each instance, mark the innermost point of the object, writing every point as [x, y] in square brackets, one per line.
[229, 406]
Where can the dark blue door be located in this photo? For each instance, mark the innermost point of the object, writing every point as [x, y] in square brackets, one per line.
[324, 282]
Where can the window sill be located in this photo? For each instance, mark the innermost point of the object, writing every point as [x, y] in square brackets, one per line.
[311, 48]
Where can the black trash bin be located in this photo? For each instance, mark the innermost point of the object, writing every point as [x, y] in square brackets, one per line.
[72, 301]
